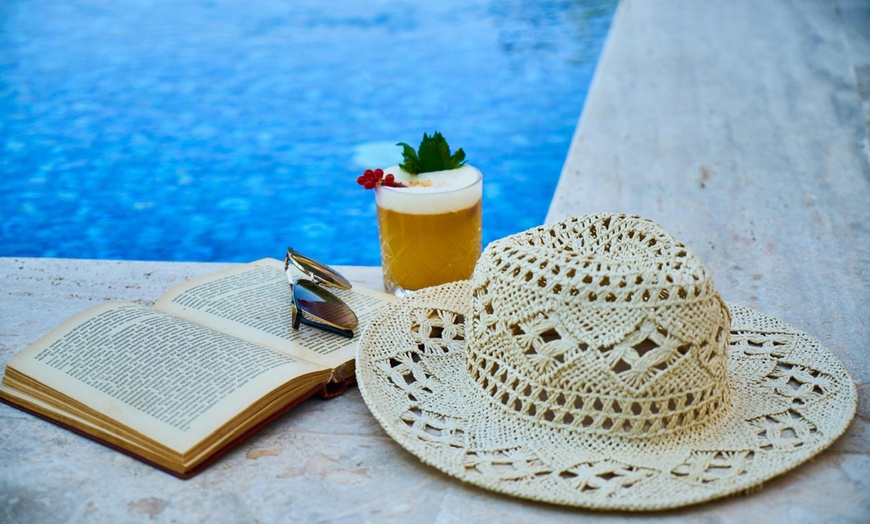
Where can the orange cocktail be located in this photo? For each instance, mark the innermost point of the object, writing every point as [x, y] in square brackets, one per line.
[431, 231]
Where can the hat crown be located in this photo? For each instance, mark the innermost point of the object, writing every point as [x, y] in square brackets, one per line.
[603, 324]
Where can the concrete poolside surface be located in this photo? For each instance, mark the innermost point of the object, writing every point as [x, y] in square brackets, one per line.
[739, 126]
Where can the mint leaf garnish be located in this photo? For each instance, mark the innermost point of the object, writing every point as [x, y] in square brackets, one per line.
[432, 155]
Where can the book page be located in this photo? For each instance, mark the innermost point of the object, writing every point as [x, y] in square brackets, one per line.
[170, 380]
[254, 302]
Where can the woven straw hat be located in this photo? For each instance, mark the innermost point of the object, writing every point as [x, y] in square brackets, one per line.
[593, 363]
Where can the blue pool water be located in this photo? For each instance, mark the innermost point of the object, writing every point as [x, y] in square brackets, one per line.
[219, 130]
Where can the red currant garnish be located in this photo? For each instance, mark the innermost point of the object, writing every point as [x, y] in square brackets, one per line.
[371, 179]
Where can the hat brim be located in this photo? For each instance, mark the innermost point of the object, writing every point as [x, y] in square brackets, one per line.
[791, 399]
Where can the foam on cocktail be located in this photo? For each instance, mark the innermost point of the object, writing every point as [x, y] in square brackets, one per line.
[432, 193]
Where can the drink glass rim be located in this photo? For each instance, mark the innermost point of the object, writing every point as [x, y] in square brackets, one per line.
[430, 190]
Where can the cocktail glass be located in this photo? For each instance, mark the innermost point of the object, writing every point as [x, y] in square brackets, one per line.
[430, 232]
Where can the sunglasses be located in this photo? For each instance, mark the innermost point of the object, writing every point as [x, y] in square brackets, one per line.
[313, 305]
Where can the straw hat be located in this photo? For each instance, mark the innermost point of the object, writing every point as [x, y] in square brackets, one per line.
[593, 363]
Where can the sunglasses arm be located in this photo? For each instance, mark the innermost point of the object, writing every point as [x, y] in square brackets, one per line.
[297, 317]
[291, 279]
[348, 333]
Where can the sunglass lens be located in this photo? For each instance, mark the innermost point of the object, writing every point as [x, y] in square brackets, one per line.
[323, 305]
[317, 270]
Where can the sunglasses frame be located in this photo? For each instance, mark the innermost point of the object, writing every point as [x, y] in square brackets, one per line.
[319, 275]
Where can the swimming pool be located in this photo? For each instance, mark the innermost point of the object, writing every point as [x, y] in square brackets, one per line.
[218, 130]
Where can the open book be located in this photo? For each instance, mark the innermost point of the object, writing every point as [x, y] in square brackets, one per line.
[178, 384]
